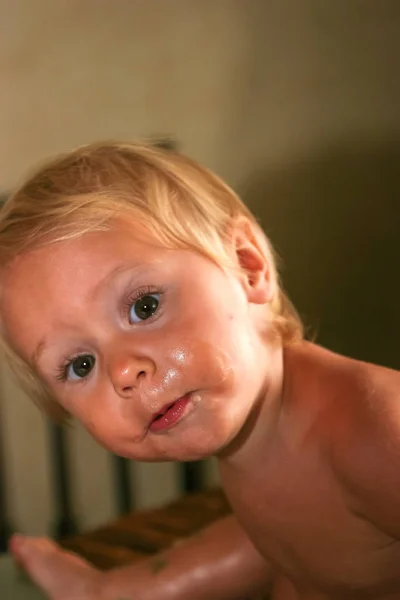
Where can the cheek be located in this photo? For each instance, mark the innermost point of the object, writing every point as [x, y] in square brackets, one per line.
[106, 433]
[94, 414]
[212, 350]
[202, 364]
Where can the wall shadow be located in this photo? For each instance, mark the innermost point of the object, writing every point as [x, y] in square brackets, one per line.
[334, 218]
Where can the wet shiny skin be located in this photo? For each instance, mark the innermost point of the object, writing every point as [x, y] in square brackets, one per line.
[74, 296]
[276, 448]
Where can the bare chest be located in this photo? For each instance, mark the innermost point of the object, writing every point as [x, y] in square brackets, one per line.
[299, 518]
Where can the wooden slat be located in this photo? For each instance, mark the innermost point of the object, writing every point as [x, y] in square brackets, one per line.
[105, 556]
[142, 533]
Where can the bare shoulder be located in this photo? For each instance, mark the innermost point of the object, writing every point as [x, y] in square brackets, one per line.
[348, 388]
[368, 402]
[354, 410]
[365, 441]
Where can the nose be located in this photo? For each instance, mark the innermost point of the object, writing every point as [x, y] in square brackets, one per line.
[128, 373]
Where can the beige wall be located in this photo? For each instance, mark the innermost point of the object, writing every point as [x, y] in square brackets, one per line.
[295, 103]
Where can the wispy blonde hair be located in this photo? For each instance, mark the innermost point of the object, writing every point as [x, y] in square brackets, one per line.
[182, 203]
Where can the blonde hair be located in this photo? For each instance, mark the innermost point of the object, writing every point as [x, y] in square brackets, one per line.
[88, 189]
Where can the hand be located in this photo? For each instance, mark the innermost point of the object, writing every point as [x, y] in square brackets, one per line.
[61, 575]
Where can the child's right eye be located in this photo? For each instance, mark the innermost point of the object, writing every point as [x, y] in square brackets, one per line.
[79, 367]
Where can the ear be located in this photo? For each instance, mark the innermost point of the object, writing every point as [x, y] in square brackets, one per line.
[253, 262]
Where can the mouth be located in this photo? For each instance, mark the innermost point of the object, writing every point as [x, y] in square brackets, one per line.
[170, 414]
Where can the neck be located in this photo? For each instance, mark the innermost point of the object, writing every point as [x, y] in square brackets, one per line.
[256, 436]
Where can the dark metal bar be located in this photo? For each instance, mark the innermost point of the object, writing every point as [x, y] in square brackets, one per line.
[6, 528]
[65, 524]
[123, 492]
[192, 477]
[6, 532]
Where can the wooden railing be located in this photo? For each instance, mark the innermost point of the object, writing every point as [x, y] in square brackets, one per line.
[191, 479]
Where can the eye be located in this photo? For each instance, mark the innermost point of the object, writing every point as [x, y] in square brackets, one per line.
[144, 308]
[80, 366]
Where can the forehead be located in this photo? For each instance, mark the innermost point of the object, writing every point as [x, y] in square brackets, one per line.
[40, 282]
[78, 257]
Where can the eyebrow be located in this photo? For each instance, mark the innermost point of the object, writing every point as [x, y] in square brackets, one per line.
[106, 279]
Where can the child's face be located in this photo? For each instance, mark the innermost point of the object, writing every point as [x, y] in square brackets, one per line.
[121, 328]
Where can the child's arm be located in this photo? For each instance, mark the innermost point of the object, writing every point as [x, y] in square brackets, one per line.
[218, 563]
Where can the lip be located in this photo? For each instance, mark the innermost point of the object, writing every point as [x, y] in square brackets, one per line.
[170, 414]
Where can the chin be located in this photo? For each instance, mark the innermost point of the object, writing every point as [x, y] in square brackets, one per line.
[198, 445]
[205, 443]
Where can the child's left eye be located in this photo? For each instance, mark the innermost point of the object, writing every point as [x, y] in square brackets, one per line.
[144, 308]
